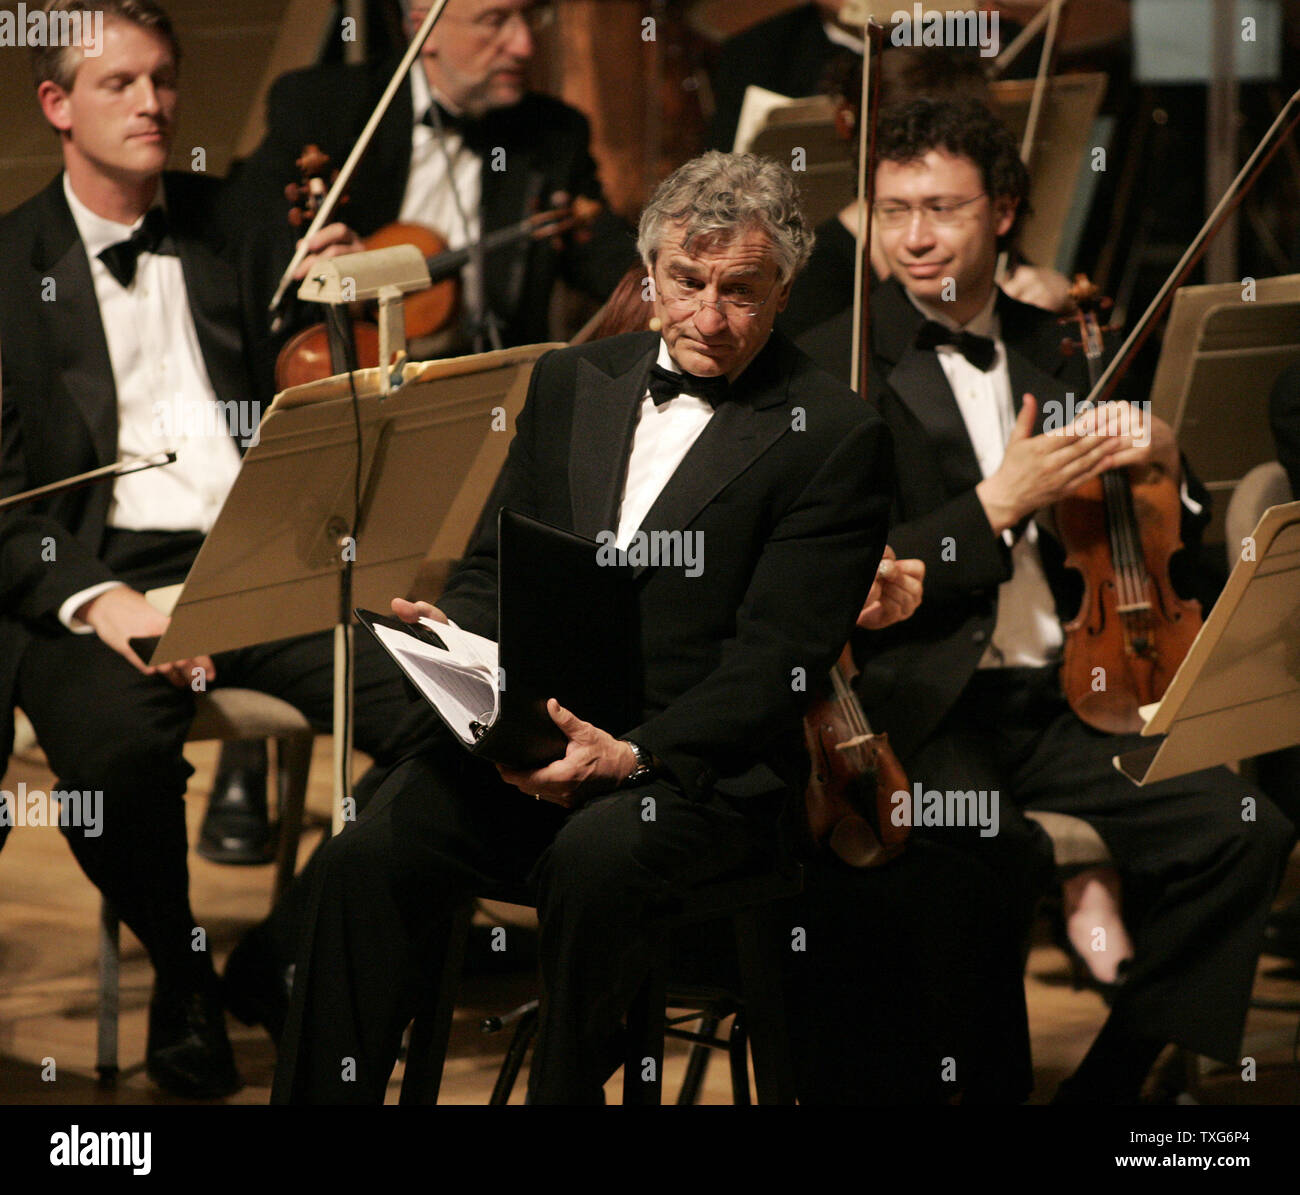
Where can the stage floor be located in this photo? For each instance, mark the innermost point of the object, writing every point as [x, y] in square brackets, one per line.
[48, 914]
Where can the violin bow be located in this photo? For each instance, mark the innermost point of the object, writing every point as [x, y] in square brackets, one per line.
[873, 43]
[1052, 12]
[1240, 186]
[331, 200]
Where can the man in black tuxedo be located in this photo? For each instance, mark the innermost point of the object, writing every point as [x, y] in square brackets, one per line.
[783, 488]
[465, 149]
[968, 381]
[128, 326]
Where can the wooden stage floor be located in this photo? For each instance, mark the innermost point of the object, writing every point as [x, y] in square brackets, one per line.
[48, 916]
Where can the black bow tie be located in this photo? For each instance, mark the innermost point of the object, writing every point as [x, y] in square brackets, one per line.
[471, 131]
[980, 351]
[665, 384]
[151, 237]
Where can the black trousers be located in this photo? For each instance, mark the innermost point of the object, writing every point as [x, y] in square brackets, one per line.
[106, 727]
[1201, 855]
[908, 988]
[442, 828]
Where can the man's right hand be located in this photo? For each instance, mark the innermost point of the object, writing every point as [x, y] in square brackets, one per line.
[121, 614]
[1037, 471]
[414, 611]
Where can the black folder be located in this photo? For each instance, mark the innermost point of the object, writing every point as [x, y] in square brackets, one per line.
[566, 629]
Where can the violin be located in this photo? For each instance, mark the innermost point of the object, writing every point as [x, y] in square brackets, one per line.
[854, 775]
[1132, 629]
[308, 357]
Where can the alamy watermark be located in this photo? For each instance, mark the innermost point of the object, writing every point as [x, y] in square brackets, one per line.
[950, 808]
[175, 419]
[76, 1146]
[654, 549]
[1109, 419]
[36, 28]
[81, 809]
[935, 27]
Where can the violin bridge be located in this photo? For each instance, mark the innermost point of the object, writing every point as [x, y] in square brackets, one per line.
[858, 740]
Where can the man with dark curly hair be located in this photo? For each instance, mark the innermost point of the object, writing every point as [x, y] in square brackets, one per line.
[981, 401]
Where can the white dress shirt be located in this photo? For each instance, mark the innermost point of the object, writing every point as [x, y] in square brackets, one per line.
[1028, 633]
[165, 399]
[445, 183]
[664, 435]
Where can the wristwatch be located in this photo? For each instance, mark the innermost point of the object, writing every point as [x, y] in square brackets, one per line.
[644, 767]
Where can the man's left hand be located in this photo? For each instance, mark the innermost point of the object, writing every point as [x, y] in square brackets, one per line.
[895, 593]
[593, 761]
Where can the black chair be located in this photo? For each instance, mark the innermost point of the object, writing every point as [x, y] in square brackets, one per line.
[758, 1007]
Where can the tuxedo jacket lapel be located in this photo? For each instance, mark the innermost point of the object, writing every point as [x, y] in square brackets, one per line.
[741, 430]
[212, 287]
[604, 419]
[916, 376]
[82, 367]
[604, 415]
[1033, 351]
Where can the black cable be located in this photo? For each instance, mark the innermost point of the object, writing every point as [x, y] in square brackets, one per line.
[343, 334]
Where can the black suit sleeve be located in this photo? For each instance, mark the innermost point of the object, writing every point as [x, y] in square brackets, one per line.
[42, 563]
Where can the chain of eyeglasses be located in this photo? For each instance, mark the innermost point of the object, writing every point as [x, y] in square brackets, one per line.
[894, 215]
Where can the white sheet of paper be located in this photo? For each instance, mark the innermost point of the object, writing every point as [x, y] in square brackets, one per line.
[460, 681]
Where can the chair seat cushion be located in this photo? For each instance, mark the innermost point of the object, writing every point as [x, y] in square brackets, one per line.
[1074, 842]
[245, 714]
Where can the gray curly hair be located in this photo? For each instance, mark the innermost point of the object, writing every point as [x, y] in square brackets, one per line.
[718, 195]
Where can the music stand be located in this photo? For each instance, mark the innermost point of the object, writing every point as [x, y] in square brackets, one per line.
[284, 558]
[1063, 178]
[1237, 692]
[1221, 355]
[775, 126]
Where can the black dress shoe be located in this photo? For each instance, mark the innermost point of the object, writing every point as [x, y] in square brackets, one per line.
[256, 985]
[188, 1052]
[236, 827]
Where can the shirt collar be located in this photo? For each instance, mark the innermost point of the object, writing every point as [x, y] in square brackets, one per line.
[96, 232]
[423, 95]
[984, 323]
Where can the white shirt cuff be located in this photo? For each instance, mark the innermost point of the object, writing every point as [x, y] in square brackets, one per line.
[77, 600]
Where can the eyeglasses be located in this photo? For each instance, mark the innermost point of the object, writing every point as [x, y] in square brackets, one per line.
[943, 212]
[738, 298]
[495, 21]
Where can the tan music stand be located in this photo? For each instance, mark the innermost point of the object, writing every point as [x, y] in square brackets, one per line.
[276, 562]
[1221, 355]
[775, 126]
[1237, 693]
